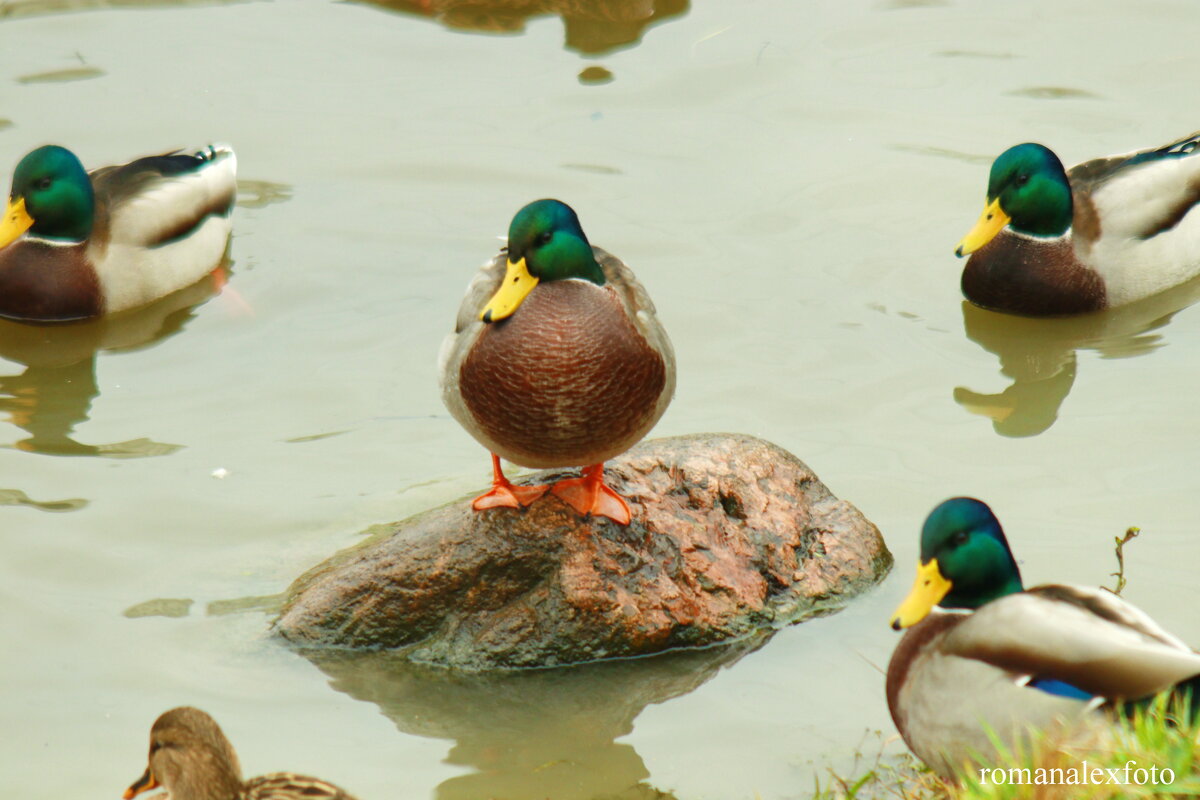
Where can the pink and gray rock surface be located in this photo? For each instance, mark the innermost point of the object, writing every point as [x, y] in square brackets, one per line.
[730, 535]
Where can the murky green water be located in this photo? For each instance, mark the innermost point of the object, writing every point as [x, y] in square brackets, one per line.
[789, 180]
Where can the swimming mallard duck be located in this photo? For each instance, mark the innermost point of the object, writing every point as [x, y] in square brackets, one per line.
[75, 245]
[1012, 658]
[191, 758]
[1108, 232]
[557, 360]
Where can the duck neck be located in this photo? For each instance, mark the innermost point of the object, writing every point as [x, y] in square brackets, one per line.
[975, 598]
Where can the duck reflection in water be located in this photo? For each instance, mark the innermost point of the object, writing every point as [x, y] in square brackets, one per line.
[55, 392]
[536, 733]
[592, 26]
[1039, 354]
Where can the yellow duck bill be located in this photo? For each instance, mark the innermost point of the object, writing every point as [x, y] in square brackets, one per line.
[517, 285]
[991, 222]
[16, 221]
[927, 591]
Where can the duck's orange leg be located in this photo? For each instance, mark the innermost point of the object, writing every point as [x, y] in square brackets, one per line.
[589, 495]
[504, 494]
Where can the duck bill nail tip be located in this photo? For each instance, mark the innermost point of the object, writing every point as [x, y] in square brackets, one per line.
[142, 784]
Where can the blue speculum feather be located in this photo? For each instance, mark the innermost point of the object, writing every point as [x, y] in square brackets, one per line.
[1060, 688]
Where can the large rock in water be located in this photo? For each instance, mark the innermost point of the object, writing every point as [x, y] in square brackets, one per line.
[730, 535]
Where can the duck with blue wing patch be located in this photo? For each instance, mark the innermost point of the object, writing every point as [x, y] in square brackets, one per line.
[984, 656]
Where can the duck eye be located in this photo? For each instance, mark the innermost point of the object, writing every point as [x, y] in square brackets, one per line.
[960, 538]
[1022, 180]
[42, 184]
[543, 238]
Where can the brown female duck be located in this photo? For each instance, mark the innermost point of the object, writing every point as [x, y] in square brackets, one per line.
[191, 758]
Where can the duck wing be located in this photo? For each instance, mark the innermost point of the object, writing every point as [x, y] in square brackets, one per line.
[639, 307]
[483, 285]
[290, 786]
[158, 199]
[1142, 194]
[1088, 638]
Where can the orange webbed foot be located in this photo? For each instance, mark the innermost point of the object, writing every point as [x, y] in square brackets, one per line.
[590, 495]
[505, 494]
[508, 495]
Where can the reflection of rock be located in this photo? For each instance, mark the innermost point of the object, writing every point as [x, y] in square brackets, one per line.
[596, 28]
[592, 26]
[531, 734]
[1039, 354]
[55, 392]
[730, 535]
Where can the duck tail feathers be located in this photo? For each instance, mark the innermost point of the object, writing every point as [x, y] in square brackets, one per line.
[182, 161]
[1185, 146]
[1181, 148]
[1186, 693]
[217, 151]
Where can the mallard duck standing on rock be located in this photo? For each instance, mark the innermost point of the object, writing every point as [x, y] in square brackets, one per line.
[1105, 233]
[191, 758]
[557, 359]
[75, 245]
[994, 655]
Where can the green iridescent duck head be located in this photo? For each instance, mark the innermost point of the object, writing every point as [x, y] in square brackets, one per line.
[965, 562]
[545, 243]
[1028, 190]
[51, 197]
